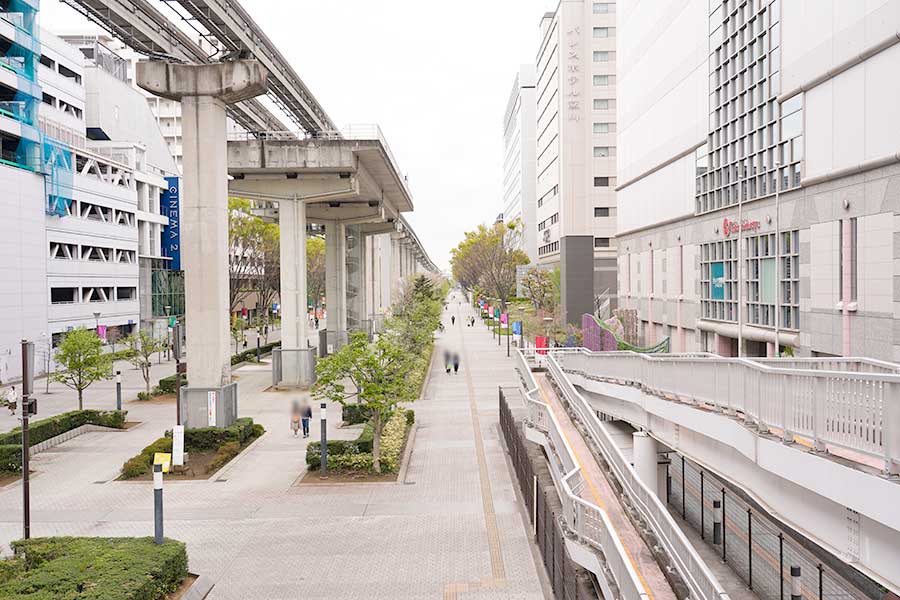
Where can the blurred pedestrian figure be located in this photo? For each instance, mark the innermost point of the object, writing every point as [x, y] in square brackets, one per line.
[453, 319]
[448, 361]
[305, 417]
[295, 417]
[317, 322]
[11, 400]
[456, 363]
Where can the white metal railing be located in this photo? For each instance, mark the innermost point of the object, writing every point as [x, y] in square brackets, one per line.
[693, 570]
[855, 407]
[590, 523]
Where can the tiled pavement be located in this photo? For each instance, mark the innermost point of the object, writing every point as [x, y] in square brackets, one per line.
[454, 530]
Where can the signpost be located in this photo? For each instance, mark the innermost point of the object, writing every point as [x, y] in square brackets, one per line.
[27, 407]
[178, 445]
[211, 408]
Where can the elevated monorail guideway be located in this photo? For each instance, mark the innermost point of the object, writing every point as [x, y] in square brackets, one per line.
[145, 29]
[236, 31]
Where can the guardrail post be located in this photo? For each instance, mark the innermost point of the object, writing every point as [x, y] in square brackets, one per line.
[724, 555]
[750, 548]
[819, 406]
[891, 429]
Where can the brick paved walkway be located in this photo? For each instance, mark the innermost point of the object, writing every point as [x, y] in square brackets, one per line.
[454, 530]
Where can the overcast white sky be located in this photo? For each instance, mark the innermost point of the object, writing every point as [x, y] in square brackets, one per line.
[435, 75]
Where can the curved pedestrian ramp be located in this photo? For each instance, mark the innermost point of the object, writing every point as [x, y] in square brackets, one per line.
[627, 538]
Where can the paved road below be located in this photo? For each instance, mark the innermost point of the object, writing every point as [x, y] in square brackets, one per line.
[453, 530]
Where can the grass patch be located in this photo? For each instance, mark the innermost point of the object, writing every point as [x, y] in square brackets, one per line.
[92, 569]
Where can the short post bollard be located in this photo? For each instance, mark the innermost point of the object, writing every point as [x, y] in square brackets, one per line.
[158, 503]
[257, 347]
[323, 416]
[796, 592]
[717, 522]
[118, 390]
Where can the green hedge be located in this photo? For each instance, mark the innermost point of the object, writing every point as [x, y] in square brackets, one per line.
[44, 429]
[92, 569]
[250, 354]
[354, 414]
[202, 439]
[167, 384]
[356, 455]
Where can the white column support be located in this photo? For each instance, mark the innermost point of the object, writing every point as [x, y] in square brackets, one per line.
[294, 318]
[335, 281]
[646, 459]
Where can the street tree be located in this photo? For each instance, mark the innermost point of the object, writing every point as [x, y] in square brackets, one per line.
[268, 280]
[141, 347]
[378, 373]
[488, 258]
[538, 287]
[246, 241]
[315, 270]
[82, 361]
[237, 331]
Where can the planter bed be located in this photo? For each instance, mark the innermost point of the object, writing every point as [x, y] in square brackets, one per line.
[208, 448]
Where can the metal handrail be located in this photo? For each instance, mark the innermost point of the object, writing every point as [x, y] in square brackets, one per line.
[589, 522]
[697, 576]
[852, 409]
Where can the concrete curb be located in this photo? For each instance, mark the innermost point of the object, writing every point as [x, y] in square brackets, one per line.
[200, 589]
[407, 454]
[224, 470]
[72, 433]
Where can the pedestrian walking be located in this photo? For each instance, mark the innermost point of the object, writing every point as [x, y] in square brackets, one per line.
[317, 322]
[448, 361]
[456, 363]
[453, 319]
[305, 417]
[11, 400]
[295, 418]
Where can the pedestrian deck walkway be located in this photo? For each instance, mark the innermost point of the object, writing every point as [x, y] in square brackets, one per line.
[598, 491]
[452, 529]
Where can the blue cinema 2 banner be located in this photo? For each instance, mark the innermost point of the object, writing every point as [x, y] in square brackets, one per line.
[170, 207]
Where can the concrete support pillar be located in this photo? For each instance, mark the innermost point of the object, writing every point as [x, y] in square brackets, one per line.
[646, 463]
[204, 91]
[396, 273]
[295, 362]
[335, 280]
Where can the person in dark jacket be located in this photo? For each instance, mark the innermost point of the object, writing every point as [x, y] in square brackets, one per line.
[456, 363]
[306, 416]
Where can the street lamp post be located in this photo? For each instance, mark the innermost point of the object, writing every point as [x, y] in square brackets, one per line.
[168, 331]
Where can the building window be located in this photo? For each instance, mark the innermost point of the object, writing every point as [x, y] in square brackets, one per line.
[601, 32]
[601, 181]
[601, 128]
[601, 56]
[601, 151]
[718, 280]
[601, 8]
[601, 242]
[600, 80]
[63, 295]
[126, 293]
[601, 211]
[601, 104]
[767, 281]
[853, 272]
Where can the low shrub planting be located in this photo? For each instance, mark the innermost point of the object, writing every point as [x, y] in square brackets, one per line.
[356, 455]
[92, 569]
[354, 414]
[202, 439]
[167, 384]
[44, 429]
[225, 453]
[249, 355]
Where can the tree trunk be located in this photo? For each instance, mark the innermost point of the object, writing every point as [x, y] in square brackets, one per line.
[376, 443]
[80, 400]
[146, 372]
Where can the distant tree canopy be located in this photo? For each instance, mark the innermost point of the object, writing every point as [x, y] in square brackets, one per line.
[487, 259]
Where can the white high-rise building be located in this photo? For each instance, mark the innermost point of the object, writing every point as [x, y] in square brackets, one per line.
[759, 179]
[576, 152]
[519, 159]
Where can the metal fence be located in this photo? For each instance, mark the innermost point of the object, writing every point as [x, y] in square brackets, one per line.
[545, 512]
[754, 546]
